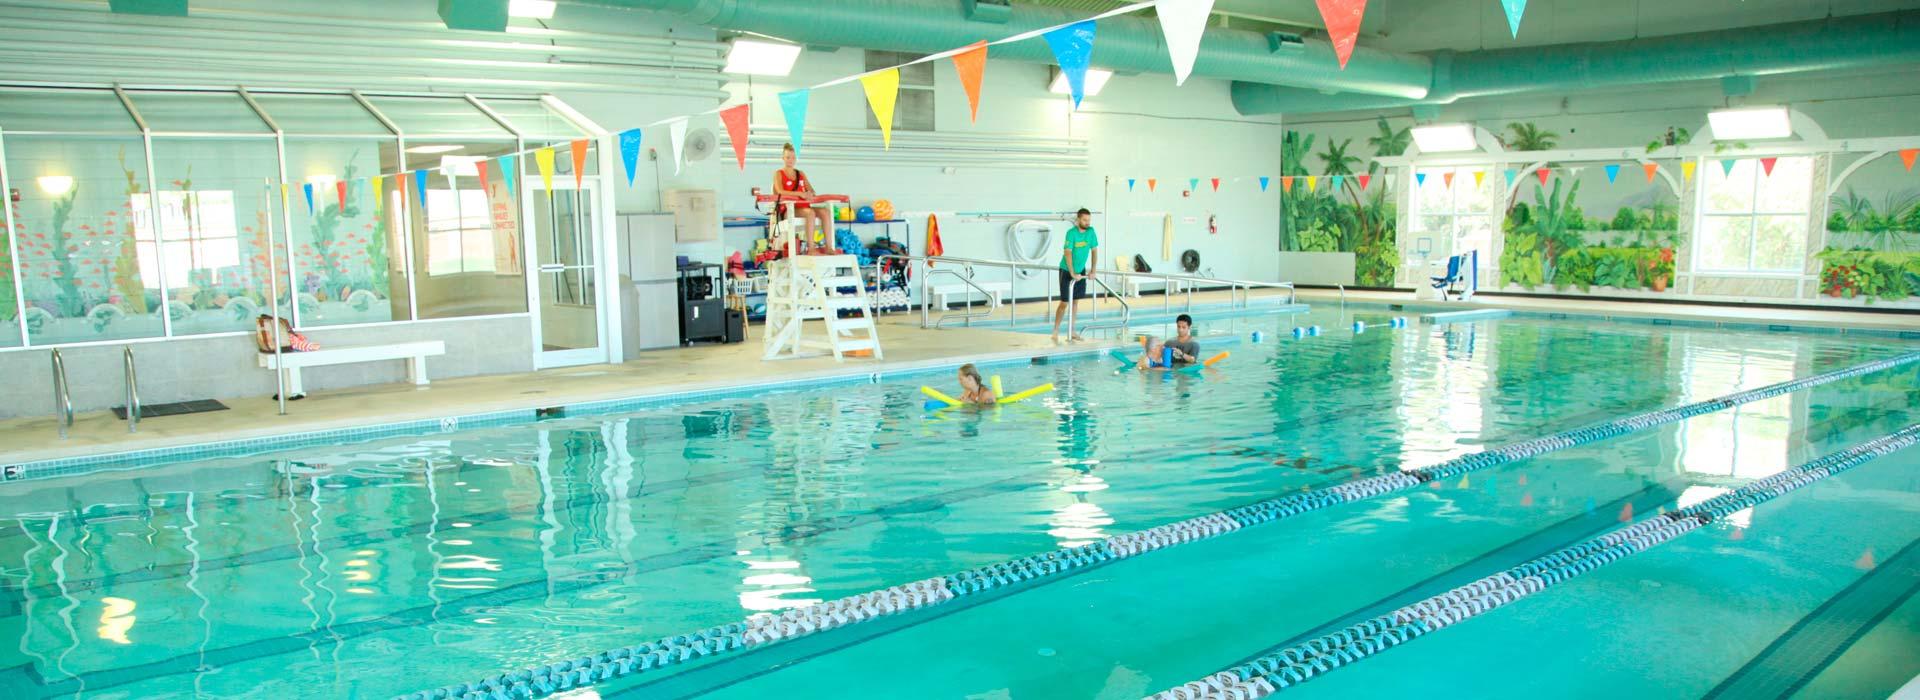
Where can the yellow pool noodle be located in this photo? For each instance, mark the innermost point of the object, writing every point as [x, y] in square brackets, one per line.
[996, 386]
[1036, 391]
[935, 393]
[1215, 358]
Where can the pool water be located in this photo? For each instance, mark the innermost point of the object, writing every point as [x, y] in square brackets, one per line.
[401, 564]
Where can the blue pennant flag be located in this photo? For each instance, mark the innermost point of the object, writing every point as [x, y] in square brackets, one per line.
[1726, 166]
[1263, 183]
[1421, 178]
[1515, 8]
[1511, 174]
[1129, 184]
[1073, 49]
[794, 106]
[510, 170]
[630, 152]
[308, 188]
[420, 185]
[1613, 171]
[1337, 179]
[1193, 184]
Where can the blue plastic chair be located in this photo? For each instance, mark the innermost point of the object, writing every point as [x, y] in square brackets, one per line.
[1453, 275]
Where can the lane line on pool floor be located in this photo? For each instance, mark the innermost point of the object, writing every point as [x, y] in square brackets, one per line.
[1303, 662]
[759, 630]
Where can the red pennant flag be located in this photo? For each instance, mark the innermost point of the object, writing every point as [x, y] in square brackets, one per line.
[972, 65]
[736, 119]
[340, 187]
[1343, 25]
[1150, 183]
[481, 169]
[579, 160]
[1907, 156]
[1286, 184]
[1542, 173]
[1651, 168]
[1767, 164]
[1447, 178]
[1364, 179]
[1216, 184]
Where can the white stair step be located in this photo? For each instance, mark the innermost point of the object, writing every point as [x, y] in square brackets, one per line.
[841, 281]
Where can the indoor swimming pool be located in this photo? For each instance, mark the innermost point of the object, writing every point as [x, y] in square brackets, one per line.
[485, 556]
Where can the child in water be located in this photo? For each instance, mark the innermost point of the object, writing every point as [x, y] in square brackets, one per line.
[973, 390]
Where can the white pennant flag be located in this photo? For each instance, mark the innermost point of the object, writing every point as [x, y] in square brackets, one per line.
[1183, 21]
[679, 131]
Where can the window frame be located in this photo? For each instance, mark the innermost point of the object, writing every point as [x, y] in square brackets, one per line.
[1697, 238]
[1455, 212]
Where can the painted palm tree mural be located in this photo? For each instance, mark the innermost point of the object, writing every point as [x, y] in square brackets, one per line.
[1345, 214]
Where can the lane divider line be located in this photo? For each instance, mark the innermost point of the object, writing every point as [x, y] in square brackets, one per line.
[1300, 663]
[541, 681]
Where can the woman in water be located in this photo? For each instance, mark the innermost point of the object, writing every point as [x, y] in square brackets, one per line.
[791, 182]
[973, 390]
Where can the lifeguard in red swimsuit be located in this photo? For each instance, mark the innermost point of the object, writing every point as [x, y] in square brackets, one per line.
[791, 182]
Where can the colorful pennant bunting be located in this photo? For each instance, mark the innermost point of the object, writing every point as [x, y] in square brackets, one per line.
[340, 190]
[1479, 176]
[480, 169]
[677, 133]
[1726, 166]
[1767, 165]
[1343, 25]
[1313, 183]
[1073, 49]
[883, 88]
[579, 148]
[543, 159]
[1286, 184]
[1651, 168]
[1216, 184]
[1182, 22]
[379, 193]
[1447, 179]
[1193, 184]
[735, 118]
[1337, 180]
[1511, 174]
[1514, 8]
[1419, 178]
[1907, 156]
[308, 189]
[1364, 179]
[1264, 181]
[971, 64]
[1542, 174]
[1129, 184]
[509, 171]
[793, 106]
[420, 187]
[1151, 182]
[630, 152]
[1613, 171]
[400, 188]
[1686, 170]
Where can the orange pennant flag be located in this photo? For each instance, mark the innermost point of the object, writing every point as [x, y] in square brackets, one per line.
[1651, 168]
[1907, 156]
[579, 161]
[480, 168]
[972, 66]
[1447, 178]
[1286, 184]
[736, 119]
[340, 188]
[1150, 183]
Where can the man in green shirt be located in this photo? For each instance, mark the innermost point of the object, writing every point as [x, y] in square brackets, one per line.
[1077, 261]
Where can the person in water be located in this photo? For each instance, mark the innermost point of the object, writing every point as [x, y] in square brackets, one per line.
[973, 390]
[1186, 350]
[790, 182]
[1155, 356]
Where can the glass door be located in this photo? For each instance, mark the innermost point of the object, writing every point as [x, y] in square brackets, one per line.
[569, 326]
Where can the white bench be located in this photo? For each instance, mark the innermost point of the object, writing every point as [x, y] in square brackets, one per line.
[998, 290]
[415, 353]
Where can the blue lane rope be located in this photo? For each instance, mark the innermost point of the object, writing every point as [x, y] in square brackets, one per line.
[541, 681]
[1297, 664]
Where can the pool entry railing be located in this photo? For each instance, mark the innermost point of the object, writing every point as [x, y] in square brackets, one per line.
[133, 392]
[965, 275]
[62, 400]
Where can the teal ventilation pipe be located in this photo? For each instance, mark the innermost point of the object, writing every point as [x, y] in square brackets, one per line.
[1861, 41]
[1126, 43]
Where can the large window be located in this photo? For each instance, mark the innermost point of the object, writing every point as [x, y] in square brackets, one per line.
[1454, 210]
[1753, 221]
[459, 232]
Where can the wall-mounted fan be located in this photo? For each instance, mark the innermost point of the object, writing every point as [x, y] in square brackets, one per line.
[1190, 261]
[700, 144]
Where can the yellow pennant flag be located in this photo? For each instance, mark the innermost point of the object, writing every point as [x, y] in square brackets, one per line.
[1479, 175]
[1686, 170]
[379, 193]
[1313, 182]
[544, 158]
[283, 196]
[882, 89]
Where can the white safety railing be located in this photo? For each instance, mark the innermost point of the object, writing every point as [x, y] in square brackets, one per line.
[1240, 292]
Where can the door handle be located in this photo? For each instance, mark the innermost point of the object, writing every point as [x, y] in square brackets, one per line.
[553, 268]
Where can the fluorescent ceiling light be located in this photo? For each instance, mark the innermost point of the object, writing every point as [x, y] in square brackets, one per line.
[322, 180]
[1752, 123]
[1445, 138]
[462, 166]
[56, 185]
[754, 57]
[431, 149]
[1095, 82]
[537, 9]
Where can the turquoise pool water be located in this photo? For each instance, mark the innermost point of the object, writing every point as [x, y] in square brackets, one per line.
[402, 564]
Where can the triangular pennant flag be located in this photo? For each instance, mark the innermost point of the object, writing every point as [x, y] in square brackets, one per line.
[1515, 8]
[1193, 184]
[1364, 180]
[340, 188]
[1651, 168]
[1767, 165]
[1264, 181]
[1479, 176]
[1313, 182]
[480, 169]
[1686, 170]
[1286, 184]
[1575, 172]
[283, 197]
[420, 186]
[1447, 179]
[1073, 49]
[1343, 25]
[451, 183]
[1182, 22]
[735, 119]
[1151, 182]
[543, 159]
[883, 88]
[1216, 184]
[1613, 171]
[308, 188]
[509, 171]
[1337, 180]
[1511, 174]
[793, 105]
[1419, 178]
[1907, 155]
[677, 133]
[1129, 184]
[379, 194]
[630, 152]
[1726, 166]
[1542, 174]
[400, 187]
[971, 64]
[579, 148]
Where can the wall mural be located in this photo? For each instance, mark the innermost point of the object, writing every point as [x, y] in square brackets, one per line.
[1338, 210]
[1872, 251]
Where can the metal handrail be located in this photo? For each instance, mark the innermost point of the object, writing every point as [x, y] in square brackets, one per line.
[133, 393]
[1217, 281]
[62, 401]
[1126, 311]
[966, 279]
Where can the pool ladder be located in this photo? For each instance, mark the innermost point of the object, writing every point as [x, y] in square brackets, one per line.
[133, 392]
[63, 398]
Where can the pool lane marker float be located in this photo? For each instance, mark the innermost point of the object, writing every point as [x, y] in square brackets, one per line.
[1297, 664]
[541, 681]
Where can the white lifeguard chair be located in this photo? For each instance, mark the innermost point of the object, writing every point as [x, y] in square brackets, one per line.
[802, 288]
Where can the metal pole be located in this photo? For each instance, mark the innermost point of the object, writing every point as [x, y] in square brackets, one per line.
[1013, 296]
[926, 270]
[273, 303]
[133, 392]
